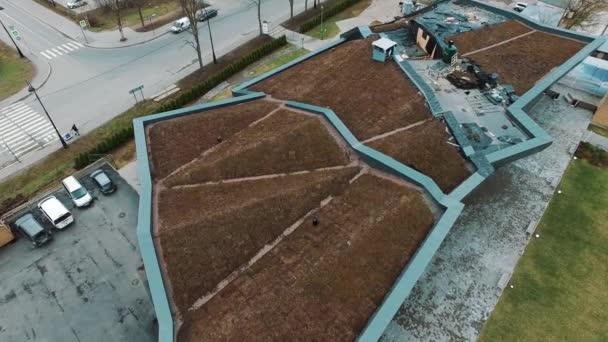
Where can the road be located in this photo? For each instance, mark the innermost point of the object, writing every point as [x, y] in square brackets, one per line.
[89, 86]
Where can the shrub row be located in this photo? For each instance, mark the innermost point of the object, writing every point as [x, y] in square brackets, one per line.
[112, 142]
[327, 13]
[595, 155]
[106, 146]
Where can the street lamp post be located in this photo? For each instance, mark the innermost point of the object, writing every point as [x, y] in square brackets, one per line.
[11, 37]
[210, 36]
[31, 89]
[322, 27]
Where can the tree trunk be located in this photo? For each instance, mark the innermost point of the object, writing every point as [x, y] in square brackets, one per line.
[291, 9]
[260, 15]
[305, 5]
[198, 50]
[141, 16]
[314, 4]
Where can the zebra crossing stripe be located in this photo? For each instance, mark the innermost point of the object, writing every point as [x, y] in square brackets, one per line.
[67, 47]
[50, 53]
[45, 55]
[62, 49]
[74, 46]
[57, 52]
[77, 43]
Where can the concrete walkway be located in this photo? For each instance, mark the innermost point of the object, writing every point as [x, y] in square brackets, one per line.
[597, 140]
[379, 10]
[129, 174]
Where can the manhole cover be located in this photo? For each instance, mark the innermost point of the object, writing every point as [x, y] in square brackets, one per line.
[121, 215]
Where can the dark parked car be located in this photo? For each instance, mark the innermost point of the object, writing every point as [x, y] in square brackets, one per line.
[28, 225]
[105, 184]
[206, 14]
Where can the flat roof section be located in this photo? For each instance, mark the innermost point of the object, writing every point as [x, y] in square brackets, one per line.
[428, 148]
[370, 97]
[324, 281]
[177, 141]
[520, 59]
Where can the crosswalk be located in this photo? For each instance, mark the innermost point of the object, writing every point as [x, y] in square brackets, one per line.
[61, 50]
[23, 130]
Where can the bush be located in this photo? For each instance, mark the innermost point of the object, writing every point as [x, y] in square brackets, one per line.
[595, 155]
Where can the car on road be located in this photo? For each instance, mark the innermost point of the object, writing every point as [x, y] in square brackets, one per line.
[206, 14]
[56, 212]
[180, 25]
[76, 3]
[30, 227]
[105, 184]
[77, 193]
[520, 6]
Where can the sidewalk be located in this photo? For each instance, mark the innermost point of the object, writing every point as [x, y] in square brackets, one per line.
[379, 10]
[71, 30]
[597, 140]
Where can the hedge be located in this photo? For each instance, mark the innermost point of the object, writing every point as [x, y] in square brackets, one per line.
[117, 139]
[327, 13]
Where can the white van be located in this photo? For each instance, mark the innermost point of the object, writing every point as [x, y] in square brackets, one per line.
[77, 193]
[180, 25]
[56, 212]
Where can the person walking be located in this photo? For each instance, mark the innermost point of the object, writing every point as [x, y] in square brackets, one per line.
[75, 130]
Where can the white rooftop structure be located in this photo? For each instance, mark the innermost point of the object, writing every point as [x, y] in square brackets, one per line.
[384, 43]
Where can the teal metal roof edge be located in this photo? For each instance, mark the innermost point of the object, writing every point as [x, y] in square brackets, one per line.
[409, 277]
[145, 240]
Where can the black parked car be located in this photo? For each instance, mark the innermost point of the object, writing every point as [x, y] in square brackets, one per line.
[28, 225]
[105, 184]
[206, 14]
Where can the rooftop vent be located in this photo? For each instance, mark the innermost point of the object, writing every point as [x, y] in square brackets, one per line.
[383, 48]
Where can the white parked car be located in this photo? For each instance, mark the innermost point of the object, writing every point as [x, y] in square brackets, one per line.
[77, 193]
[76, 3]
[56, 212]
[180, 25]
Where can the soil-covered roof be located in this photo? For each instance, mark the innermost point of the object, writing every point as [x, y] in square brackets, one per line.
[519, 55]
[233, 224]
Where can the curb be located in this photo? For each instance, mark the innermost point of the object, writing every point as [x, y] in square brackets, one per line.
[87, 45]
[46, 78]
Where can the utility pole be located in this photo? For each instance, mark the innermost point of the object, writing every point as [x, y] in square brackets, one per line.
[210, 36]
[11, 37]
[322, 27]
[31, 89]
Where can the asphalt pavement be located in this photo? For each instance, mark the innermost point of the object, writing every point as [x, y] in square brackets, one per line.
[88, 86]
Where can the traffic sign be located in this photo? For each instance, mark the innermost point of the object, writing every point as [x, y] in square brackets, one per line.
[14, 32]
[136, 89]
[83, 23]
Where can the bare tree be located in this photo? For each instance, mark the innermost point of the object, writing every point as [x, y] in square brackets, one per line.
[117, 6]
[258, 4]
[583, 13]
[291, 8]
[305, 5]
[139, 4]
[191, 8]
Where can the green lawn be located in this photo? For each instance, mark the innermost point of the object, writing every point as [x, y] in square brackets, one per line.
[599, 130]
[14, 71]
[561, 283]
[331, 29]
[277, 61]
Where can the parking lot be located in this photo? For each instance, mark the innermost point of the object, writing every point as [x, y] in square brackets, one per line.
[86, 284]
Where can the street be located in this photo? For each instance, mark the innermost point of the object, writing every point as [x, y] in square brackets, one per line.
[89, 86]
